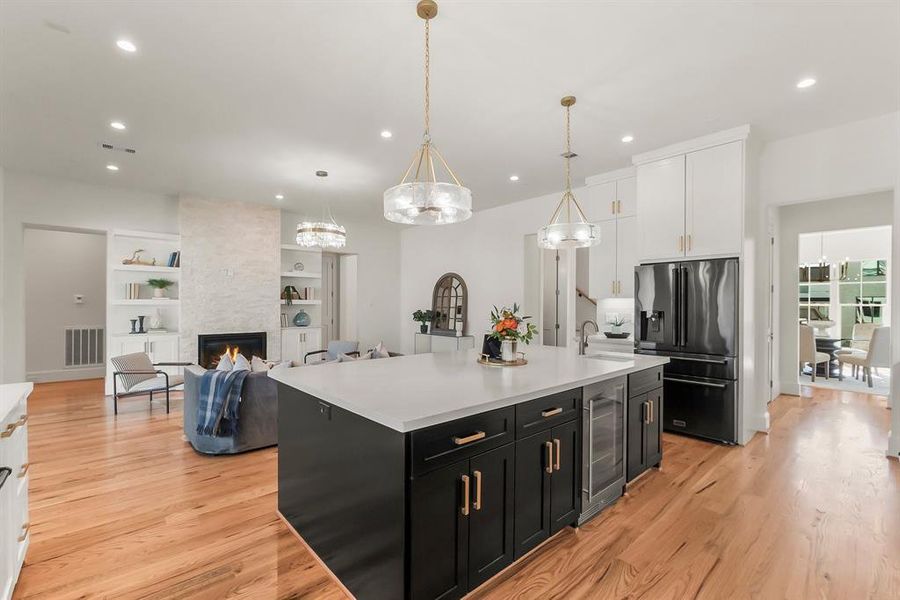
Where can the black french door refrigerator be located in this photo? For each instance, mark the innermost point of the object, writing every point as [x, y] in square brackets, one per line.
[688, 311]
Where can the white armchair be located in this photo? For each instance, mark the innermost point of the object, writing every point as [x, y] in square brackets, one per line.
[878, 355]
[808, 353]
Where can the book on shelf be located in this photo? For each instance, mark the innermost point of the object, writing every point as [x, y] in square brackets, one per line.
[174, 259]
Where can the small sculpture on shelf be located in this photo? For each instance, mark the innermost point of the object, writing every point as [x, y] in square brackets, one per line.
[137, 260]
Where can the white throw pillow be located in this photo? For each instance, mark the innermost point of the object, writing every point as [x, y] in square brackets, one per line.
[381, 351]
[241, 363]
[225, 363]
[280, 366]
[258, 365]
[349, 358]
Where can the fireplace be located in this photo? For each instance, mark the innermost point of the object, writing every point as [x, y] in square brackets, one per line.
[212, 346]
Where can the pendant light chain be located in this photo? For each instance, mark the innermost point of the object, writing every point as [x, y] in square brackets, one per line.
[568, 167]
[427, 80]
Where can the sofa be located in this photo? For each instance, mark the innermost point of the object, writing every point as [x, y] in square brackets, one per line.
[257, 420]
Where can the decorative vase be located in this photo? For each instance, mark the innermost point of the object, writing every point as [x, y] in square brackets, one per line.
[134, 326]
[159, 292]
[141, 324]
[301, 319]
[423, 327]
[156, 322]
[508, 350]
[616, 328]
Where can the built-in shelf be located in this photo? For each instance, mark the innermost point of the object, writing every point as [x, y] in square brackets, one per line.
[302, 302]
[146, 268]
[295, 248]
[146, 302]
[307, 327]
[148, 333]
[302, 275]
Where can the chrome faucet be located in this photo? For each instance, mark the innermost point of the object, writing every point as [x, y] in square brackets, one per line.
[583, 346]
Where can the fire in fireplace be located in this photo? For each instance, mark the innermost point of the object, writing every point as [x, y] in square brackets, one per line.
[211, 347]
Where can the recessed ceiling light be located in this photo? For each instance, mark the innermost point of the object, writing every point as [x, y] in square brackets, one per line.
[279, 196]
[126, 45]
[117, 125]
[386, 134]
[628, 139]
[805, 83]
[112, 167]
[513, 177]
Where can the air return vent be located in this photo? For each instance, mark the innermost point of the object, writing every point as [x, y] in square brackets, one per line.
[84, 346]
[112, 148]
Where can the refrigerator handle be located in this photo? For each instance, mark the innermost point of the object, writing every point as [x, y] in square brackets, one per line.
[676, 305]
[683, 326]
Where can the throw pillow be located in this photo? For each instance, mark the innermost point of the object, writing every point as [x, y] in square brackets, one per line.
[280, 366]
[258, 365]
[225, 363]
[381, 351]
[349, 358]
[241, 363]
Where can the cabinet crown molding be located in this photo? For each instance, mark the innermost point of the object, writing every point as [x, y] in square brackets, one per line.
[714, 139]
[610, 176]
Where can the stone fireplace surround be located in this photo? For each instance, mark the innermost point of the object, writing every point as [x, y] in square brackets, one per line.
[211, 346]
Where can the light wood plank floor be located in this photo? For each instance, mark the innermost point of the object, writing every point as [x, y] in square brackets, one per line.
[123, 508]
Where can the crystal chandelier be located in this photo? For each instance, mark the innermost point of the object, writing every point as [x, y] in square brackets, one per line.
[420, 198]
[564, 231]
[325, 234]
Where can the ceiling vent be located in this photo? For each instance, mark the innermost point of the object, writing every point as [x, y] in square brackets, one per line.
[113, 148]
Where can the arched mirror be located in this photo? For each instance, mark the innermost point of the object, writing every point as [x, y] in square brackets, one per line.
[449, 303]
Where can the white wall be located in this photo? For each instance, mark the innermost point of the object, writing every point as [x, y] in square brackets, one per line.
[377, 244]
[2, 279]
[868, 210]
[230, 271]
[58, 265]
[52, 202]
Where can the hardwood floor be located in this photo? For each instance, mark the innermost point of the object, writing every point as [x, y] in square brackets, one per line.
[123, 508]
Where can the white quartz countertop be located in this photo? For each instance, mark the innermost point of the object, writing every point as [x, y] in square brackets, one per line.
[411, 392]
[10, 395]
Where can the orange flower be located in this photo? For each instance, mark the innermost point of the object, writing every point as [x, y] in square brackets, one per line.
[510, 324]
[499, 326]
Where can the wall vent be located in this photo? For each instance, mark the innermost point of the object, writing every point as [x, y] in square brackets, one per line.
[84, 346]
[108, 146]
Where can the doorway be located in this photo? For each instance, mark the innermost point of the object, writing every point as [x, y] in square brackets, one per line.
[65, 304]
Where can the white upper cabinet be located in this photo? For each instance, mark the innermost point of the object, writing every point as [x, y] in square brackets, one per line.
[626, 255]
[626, 197]
[714, 192]
[660, 209]
[599, 202]
[602, 261]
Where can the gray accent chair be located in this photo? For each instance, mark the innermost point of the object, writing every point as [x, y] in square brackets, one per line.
[335, 349]
[135, 375]
[257, 416]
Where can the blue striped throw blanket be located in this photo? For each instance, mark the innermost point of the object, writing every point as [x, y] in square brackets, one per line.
[220, 398]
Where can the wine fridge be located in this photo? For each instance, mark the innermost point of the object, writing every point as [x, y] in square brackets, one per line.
[603, 445]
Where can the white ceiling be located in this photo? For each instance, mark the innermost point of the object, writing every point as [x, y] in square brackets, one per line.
[246, 99]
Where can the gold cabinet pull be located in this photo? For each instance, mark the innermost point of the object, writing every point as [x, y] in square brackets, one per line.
[24, 470]
[613, 282]
[548, 446]
[462, 441]
[25, 529]
[681, 243]
[557, 445]
[612, 206]
[477, 504]
[618, 207]
[689, 242]
[651, 412]
[22, 420]
[464, 509]
[9, 430]
[551, 412]
[646, 407]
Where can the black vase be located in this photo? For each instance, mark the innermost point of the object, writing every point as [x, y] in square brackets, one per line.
[423, 327]
[491, 347]
[141, 324]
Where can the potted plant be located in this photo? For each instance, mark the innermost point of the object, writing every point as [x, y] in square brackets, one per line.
[423, 317]
[159, 286]
[506, 326]
[616, 324]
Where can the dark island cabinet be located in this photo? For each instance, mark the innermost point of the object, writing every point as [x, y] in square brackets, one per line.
[547, 484]
[461, 525]
[645, 418]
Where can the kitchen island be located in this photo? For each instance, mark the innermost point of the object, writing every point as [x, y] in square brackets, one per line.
[421, 477]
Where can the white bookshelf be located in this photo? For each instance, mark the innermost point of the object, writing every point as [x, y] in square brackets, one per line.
[163, 346]
[309, 277]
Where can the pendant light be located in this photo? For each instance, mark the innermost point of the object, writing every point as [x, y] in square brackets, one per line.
[420, 198]
[325, 234]
[568, 228]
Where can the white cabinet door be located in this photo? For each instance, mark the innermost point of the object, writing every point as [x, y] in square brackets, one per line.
[714, 200]
[599, 202]
[602, 263]
[291, 346]
[127, 344]
[165, 348]
[626, 255]
[626, 197]
[312, 340]
[660, 209]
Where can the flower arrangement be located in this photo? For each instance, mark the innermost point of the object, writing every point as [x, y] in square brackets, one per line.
[506, 324]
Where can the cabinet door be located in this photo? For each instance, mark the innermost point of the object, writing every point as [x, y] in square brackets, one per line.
[534, 461]
[491, 545]
[439, 533]
[653, 433]
[312, 339]
[599, 202]
[636, 430]
[565, 483]
[626, 197]
[602, 263]
[164, 349]
[128, 344]
[660, 209]
[714, 200]
[291, 347]
[626, 256]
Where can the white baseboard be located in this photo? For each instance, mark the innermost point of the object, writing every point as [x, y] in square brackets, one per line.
[894, 445]
[65, 375]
